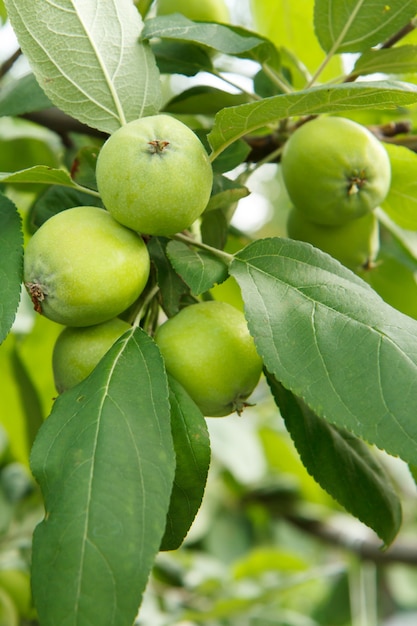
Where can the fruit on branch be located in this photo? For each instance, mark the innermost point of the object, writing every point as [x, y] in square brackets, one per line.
[82, 267]
[355, 244]
[154, 175]
[204, 10]
[78, 350]
[208, 349]
[335, 170]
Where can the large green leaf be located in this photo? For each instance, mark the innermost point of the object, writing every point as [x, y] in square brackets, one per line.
[87, 58]
[192, 453]
[401, 201]
[234, 122]
[342, 464]
[331, 340]
[105, 461]
[11, 263]
[356, 25]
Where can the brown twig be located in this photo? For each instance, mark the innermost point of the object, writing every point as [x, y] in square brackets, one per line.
[8, 64]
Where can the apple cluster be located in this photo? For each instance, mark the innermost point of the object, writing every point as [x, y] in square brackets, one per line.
[336, 173]
[85, 266]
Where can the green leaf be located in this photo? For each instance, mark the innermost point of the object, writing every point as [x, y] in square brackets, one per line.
[204, 100]
[342, 465]
[331, 340]
[22, 96]
[356, 25]
[105, 462]
[41, 174]
[56, 199]
[110, 80]
[231, 124]
[173, 292]
[11, 264]
[225, 192]
[226, 39]
[192, 452]
[401, 60]
[401, 201]
[198, 268]
[181, 58]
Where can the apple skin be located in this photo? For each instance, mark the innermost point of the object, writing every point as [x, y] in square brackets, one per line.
[335, 170]
[355, 244]
[208, 349]
[154, 175]
[203, 10]
[81, 267]
[78, 350]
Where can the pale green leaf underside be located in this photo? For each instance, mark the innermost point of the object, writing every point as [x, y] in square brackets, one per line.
[355, 25]
[41, 174]
[105, 461]
[11, 263]
[87, 57]
[234, 122]
[333, 341]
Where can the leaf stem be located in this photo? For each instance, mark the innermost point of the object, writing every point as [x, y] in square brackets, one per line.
[219, 75]
[281, 84]
[221, 254]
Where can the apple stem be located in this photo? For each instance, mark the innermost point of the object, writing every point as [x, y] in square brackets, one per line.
[224, 256]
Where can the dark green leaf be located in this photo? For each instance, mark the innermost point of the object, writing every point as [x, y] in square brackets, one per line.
[233, 156]
[214, 229]
[355, 25]
[56, 199]
[330, 339]
[181, 58]
[192, 451]
[11, 264]
[225, 192]
[173, 291]
[203, 100]
[342, 465]
[105, 461]
[83, 169]
[234, 122]
[22, 96]
[199, 269]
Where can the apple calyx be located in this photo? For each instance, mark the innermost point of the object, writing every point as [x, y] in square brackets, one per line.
[355, 183]
[37, 294]
[157, 146]
[239, 405]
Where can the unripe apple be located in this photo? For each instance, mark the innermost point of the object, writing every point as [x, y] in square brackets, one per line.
[154, 175]
[354, 244]
[78, 350]
[203, 10]
[208, 349]
[82, 267]
[335, 170]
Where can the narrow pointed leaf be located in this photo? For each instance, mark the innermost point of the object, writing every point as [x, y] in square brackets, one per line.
[330, 339]
[11, 264]
[105, 462]
[173, 291]
[234, 122]
[401, 60]
[356, 25]
[342, 464]
[111, 79]
[198, 268]
[41, 174]
[192, 452]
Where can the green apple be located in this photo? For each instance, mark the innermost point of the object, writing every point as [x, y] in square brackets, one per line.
[78, 350]
[355, 244]
[9, 615]
[204, 10]
[208, 349]
[16, 582]
[335, 170]
[81, 267]
[154, 175]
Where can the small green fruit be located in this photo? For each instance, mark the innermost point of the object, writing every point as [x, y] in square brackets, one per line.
[208, 349]
[78, 350]
[82, 267]
[204, 10]
[335, 170]
[355, 244]
[154, 175]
